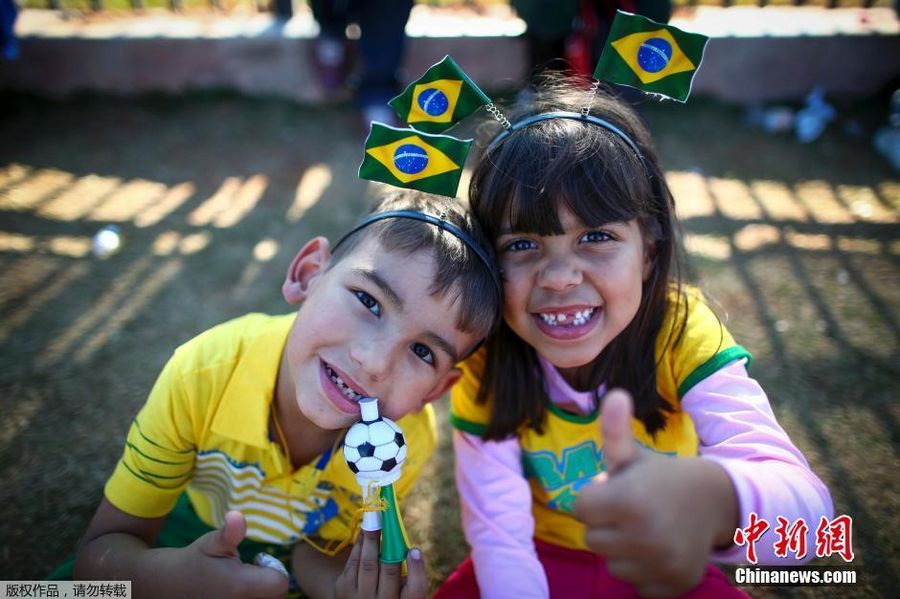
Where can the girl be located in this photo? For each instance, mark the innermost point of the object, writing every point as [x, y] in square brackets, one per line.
[585, 229]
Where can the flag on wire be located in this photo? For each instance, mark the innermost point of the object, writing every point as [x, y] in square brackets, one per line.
[650, 56]
[407, 158]
[440, 98]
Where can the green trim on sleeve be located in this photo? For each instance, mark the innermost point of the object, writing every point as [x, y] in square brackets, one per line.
[134, 448]
[467, 426]
[144, 474]
[721, 359]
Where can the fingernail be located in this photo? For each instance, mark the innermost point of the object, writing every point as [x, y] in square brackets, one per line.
[415, 554]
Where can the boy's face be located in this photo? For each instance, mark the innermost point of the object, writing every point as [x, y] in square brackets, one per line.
[368, 327]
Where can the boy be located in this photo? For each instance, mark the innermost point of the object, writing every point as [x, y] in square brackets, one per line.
[240, 435]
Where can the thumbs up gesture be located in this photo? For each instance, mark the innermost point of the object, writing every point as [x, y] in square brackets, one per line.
[211, 566]
[654, 518]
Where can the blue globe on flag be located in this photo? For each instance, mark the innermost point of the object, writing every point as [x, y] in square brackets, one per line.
[654, 54]
[433, 102]
[410, 159]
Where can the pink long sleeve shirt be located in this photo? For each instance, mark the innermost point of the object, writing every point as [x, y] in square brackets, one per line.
[736, 428]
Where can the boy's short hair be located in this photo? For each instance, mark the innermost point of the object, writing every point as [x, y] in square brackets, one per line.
[458, 269]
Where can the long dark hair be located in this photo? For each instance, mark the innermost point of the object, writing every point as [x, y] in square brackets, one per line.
[522, 182]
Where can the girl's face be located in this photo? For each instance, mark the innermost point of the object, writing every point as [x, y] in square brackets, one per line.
[570, 295]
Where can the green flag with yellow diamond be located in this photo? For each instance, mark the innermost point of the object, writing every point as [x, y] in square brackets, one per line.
[408, 158]
[440, 98]
[656, 58]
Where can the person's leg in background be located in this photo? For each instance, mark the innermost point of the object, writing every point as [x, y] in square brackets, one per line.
[382, 44]
[329, 50]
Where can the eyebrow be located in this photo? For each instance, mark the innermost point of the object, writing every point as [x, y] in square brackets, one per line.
[509, 231]
[385, 287]
[395, 300]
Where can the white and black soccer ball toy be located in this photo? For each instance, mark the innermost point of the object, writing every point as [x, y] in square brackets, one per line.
[375, 447]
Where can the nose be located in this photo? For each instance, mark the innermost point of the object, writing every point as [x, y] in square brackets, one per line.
[559, 274]
[373, 356]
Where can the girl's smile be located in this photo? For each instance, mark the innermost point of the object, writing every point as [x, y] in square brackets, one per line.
[569, 322]
[569, 295]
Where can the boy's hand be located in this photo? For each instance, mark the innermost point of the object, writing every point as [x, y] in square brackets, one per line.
[214, 565]
[364, 577]
[654, 518]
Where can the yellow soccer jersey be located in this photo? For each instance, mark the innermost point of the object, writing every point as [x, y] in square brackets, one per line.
[569, 453]
[204, 430]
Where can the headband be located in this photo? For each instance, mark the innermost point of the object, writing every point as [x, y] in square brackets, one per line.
[437, 222]
[574, 116]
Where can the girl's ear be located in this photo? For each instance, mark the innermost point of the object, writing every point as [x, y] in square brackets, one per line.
[310, 262]
[649, 259]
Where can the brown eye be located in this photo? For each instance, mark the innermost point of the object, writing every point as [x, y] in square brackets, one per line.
[596, 237]
[519, 245]
[368, 301]
[423, 352]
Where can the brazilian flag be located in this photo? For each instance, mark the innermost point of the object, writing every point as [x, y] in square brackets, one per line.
[656, 58]
[440, 98]
[408, 158]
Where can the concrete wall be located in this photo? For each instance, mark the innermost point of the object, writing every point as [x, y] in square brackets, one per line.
[271, 59]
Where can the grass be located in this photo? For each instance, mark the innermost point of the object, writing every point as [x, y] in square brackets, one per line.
[797, 244]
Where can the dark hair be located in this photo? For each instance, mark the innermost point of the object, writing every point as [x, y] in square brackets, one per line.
[521, 182]
[458, 269]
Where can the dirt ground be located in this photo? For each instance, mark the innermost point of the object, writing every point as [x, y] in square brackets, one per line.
[798, 244]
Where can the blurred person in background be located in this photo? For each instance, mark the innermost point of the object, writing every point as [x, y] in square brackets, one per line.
[380, 51]
[569, 34]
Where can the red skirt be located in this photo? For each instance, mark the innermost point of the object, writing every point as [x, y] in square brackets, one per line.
[576, 574]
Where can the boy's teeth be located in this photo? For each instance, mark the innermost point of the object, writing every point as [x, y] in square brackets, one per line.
[342, 386]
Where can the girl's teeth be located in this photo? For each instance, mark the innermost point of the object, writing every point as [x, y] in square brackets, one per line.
[575, 320]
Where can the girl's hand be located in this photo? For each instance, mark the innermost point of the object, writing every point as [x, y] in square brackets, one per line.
[655, 519]
[364, 577]
[215, 568]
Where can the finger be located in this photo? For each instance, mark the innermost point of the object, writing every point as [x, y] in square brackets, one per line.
[223, 542]
[611, 543]
[627, 570]
[367, 579]
[389, 580]
[619, 446]
[259, 581]
[596, 504]
[351, 568]
[416, 586]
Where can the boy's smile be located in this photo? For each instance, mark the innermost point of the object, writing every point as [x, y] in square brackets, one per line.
[340, 388]
[367, 326]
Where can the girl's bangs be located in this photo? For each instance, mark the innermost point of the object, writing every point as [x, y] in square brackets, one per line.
[534, 194]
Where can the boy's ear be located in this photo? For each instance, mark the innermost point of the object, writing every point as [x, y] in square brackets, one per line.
[444, 385]
[310, 262]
